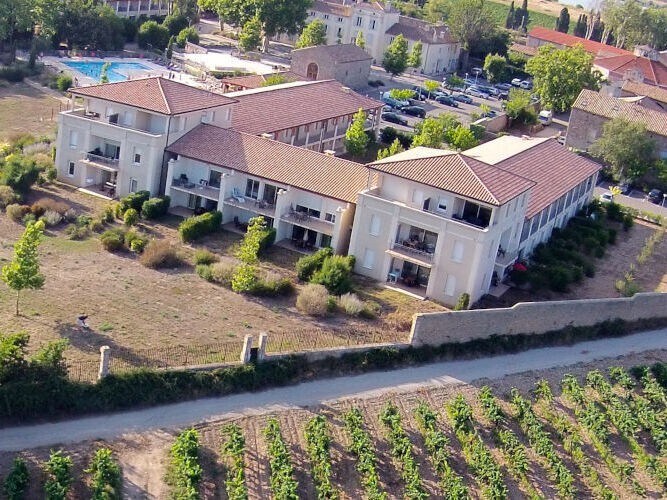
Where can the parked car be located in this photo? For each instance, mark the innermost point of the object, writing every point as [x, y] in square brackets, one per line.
[420, 93]
[490, 114]
[561, 140]
[438, 93]
[526, 85]
[504, 86]
[545, 117]
[462, 98]
[468, 82]
[624, 188]
[394, 103]
[447, 101]
[414, 111]
[516, 82]
[655, 196]
[477, 92]
[492, 91]
[394, 118]
[607, 197]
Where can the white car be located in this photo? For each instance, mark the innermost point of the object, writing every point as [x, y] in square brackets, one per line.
[475, 92]
[607, 197]
[516, 82]
[526, 85]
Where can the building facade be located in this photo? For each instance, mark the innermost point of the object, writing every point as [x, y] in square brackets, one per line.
[135, 8]
[345, 63]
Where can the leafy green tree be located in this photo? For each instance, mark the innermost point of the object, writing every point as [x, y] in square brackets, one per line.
[274, 80]
[16, 18]
[189, 34]
[251, 35]
[104, 72]
[23, 271]
[396, 56]
[563, 21]
[455, 81]
[626, 147]
[415, 57]
[312, 35]
[89, 24]
[430, 133]
[356, 139]
[393, 149]
[519, 109]
[359, 40]
[495, 67]
[559, 75]
[401, 94]
[431, 86]
[461, 138]
[175, 23]
[19, 172]
[522, 16]
[152, 34]
[580, 27]
[170, 46]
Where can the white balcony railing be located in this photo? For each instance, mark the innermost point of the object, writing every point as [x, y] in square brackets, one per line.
[405, 249]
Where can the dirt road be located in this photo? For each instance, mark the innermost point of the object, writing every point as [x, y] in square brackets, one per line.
[321, 391]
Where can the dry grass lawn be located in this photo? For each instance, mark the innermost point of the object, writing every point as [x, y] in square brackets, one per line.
[24, 109]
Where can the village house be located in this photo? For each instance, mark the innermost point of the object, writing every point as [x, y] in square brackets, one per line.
[346, 63]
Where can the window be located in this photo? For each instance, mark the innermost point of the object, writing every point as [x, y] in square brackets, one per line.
[70, 169]
[525, 231]
[252, 189]
[457, 251]
[369, 259]
[340, 19]
[330, 217]
[137, 158]
[442, 205]
[417, 196]
[359, 21]
[372, 24]
[134, 186]
[325, 241]
[552, 211]
[270, 194]
[339, 33]
[326, 16]
[73, 139]
[450, 285]
[544, 216]
[375, 225]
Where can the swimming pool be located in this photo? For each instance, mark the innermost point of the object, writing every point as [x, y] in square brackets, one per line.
[117, 72]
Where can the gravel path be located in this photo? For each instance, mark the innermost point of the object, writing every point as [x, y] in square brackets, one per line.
[370, 385]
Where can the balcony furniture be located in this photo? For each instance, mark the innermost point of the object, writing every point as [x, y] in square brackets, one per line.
[393, 276]
[236, 194]
[89, 181]
[203, 183]
[501, 251]
[410, 280]
[200, 210]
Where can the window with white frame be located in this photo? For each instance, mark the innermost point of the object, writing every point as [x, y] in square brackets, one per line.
[340, 19]
[457, 251]
[359, 21]
[330, 217]
[375, 225]
[70, 169]
[442, 204]
[134, 185]
[252, 189]
[326, 16]
[450, 285]
[369, 259]
[136, 157]
[73, 139]
[372, 24]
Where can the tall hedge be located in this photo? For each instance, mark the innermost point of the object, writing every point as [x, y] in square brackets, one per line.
[154, 208]
[133, 200]
[198, 226]
[308, 264]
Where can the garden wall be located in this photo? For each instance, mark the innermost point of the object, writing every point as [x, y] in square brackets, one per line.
[532, 317]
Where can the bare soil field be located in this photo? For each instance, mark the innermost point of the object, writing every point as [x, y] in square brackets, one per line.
[25, 109]
[144, 458]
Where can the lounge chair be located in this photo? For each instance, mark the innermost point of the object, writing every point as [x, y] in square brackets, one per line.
[236, 194]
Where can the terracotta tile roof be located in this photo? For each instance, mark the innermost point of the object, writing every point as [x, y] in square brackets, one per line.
[338, 53]
[457, 174]
[298, 167]
[554, 169]
[611, 107]
[654, 72]
[523, 49]
[256, 81]
[331, 8]
[155, 94]
[416, 29]
[643, 89]
[281, 107]
[558, 38]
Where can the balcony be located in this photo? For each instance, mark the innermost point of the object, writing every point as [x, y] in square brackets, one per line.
[411, 254]
[201, 189]
[96, 117]
[306, 221]
[258, 207]
[99, 161]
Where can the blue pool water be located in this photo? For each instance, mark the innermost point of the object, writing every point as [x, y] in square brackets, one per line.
[116, 73]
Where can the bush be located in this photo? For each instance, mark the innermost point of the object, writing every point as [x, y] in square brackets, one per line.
[313, 300]
[463, 303]
[371, 310]
[132, 200]
[7, 196]
[113, 240]
[244, 279]
[160, 254]
[273, 287]
[16, 482]
[96, 225]
[222, 273]
[205, 257]
[152, 34]
[19, 173]
[351, 304]
[138, 245]
[628, 221]
[307, 265]
[195, 227]
[130, 217]
[134, 241]
[335, 275]
[267, 239]
[154, 208]
[14, 73]
[205, 271]
[28, 219]
[16, 212]
[75, 232]
[45, 204]
[108, 214]
[188, 34]
[389, 134]
[175, 23]
[51, 218]
[58, 471]
[63, 82]
[559, 278]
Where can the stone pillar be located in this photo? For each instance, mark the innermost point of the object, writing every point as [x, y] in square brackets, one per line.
[246, 352]
[105, 356]
[263, 339]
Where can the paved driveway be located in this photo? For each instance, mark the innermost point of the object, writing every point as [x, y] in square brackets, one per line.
[636, 199]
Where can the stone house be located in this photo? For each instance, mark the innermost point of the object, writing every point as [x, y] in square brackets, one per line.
[346, 63]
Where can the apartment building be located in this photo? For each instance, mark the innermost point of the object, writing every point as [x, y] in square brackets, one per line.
[112, 139]
[441, 223]
[307, 196]
[136, 8]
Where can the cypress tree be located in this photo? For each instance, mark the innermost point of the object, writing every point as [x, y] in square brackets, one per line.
[509, 20]
[563, 21]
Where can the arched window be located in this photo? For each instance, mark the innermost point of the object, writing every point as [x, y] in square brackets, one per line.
[311, 72]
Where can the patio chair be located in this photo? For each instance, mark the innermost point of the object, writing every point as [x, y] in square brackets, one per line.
[236, 194]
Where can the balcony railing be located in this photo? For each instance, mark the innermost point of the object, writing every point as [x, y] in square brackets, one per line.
[101, 160]
[94, 116]
[406, 249]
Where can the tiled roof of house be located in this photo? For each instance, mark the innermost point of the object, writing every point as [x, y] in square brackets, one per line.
[329, 7]
[298, 167]
[338, 53]
[554, 169]
[654, 72]
[643, 89]
[285, 106]
[155, 94]
[556, 37]
[256, 81]
[456, 173]
[416, 29]
[523, 49]
[611, 107]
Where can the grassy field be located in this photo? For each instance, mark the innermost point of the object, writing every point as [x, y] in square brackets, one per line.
[499, 13]
[24, 109]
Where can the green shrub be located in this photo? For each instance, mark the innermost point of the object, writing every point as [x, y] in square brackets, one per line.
[106, 476]
[135, 241]
[154, 208]
[273, 287]
[16, 212]
[267, 239]
[204, 256]
[113, 240]
[130, 217]
[559, 279]
[7, 196]
[198, 226]
[313, 300]
[307, 265]
[19, 173]
[205, 271]
[58, 471]
[463, 303]
[96, 225]
[28, 218]
[138, 245]
[16, 483]
[108, 213]
[14, 73]
[223, 273]
[75, 232]
[188, 34]
[351, 304]
[245, 279]
[184, 471]
[63, 82]
[160, 254]
[614, 212]
[132, 200]
[335, 274]
[628, 221]
[51, 218]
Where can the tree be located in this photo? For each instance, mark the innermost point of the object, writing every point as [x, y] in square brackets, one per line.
[152, 34]
[430, 133]
[104, 72]
[401, 94]
[431, 86]
[396, 56]
[274, 80]
[175, 23]
[521, 16]
[359, 40]
[509, 20]
[559, 75]
[495, 67]
[626, 147]
[580, 27]
[189, 34]
[393, 149]
[519, 109]
[251, 35]
[16, 18]
[563, 21]
[415, 57]
[461, 138]
[23, 271]
[312, 35]
[356, 139]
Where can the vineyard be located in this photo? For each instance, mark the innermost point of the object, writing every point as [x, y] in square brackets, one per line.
[601, 434]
